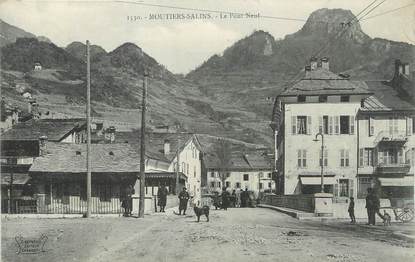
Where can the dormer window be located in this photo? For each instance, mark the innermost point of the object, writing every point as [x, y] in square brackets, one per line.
[301, 99]
[111, 153]
[322, 99]
[344, 98]
[78, 153]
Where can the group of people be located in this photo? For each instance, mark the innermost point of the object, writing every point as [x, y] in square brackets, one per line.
[372, 206]
[184, 197]
[234, 199]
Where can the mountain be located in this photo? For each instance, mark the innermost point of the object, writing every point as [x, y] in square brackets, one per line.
[78, 50]
[9, 34]
[258, 67]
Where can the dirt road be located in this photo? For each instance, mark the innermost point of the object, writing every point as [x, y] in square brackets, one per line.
[233, 235]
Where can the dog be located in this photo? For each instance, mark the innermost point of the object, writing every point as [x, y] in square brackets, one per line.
[386, 219]
[199, 211]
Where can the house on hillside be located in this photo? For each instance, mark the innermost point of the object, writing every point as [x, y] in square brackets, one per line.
[320, 103]
[250, 171]
[37, 66]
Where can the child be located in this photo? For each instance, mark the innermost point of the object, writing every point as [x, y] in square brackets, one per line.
[351, 211]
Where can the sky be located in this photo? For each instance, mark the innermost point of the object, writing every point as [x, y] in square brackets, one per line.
[183, 44]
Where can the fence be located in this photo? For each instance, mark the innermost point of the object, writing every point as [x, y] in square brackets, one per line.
[298, 202]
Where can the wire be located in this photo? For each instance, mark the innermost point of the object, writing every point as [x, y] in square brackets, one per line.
[208, 10]
[387, 12]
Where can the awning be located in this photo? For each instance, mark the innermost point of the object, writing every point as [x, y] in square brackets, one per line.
[397, 181]
[317, 180]
[18, 178]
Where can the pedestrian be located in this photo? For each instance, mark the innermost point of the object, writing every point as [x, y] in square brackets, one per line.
[225, 199]
[162, 193]
[183, 199]
[127, 203]
[376, 206]
[233, 197]
[351, 211]
[370, 207]
[244, 198]
[238, 198]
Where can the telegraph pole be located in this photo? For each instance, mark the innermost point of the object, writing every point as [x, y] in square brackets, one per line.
[88, 128]
[143, 147]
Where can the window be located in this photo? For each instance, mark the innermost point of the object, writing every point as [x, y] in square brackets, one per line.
[228, 184]
[301, 158]
[194, 171]
[390, 156]
[238, 185]
[212, 184]
[344, 124]
[269, 175]
[212, 174]
[218, 184]
[344, 98]
[301, 124]
[366, 157]
[260, 186]
[246, 177]
[324, 125]
[322, 99]
[301, 99]
[371, 126]
[228, 174]
[363, 184]
[344, 158]
[325, 157]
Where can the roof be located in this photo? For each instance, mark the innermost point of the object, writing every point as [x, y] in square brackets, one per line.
[155, 142]
[384, 98]
[247, 162]
[321, 81]
[71, 158]
[54, 129]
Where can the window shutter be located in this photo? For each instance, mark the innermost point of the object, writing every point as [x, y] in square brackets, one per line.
[371, 126]
[366, 157]
[409, 126]
[351, 126]
[320, 124]
[330, 125]
[336, 125]
[351, 187]
[294, 124]
[304, 158]
[308, 125]
[326, 157]
[361, 157]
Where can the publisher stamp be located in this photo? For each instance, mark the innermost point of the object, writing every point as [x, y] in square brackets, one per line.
[27, 245]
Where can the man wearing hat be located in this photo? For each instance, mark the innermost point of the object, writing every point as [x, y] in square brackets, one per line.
[184, 198]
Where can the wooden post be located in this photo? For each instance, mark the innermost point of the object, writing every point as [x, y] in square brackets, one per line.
[88, 135]
[178, 166]
[142, 148]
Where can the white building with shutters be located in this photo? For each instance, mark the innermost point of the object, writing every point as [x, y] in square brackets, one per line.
[320, 102]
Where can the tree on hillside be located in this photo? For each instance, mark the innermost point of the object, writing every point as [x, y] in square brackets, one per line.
[222, 150]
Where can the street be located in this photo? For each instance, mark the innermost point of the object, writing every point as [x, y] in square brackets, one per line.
[234, 235]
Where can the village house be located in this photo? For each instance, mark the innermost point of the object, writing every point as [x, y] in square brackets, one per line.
[386, 155]
[37, 66]
[325, 103]
[9, 116]
[20, 146]
[163, 149]
[251, 171]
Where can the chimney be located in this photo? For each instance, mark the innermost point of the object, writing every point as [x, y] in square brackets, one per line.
[43, 145]
[325, 63]
[166, 147]
[313, 63]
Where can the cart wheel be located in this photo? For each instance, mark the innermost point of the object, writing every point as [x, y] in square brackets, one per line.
[407, 215]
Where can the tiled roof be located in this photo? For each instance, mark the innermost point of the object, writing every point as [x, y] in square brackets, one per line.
[384, 98]
[251, 161]
[155, 142]
[54, 129]
[71, 158]
[323, 82]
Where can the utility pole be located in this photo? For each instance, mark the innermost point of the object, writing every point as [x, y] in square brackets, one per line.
[178, 165]
[143, 147]
[88, 135]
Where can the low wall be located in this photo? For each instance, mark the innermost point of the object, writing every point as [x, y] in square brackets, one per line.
[297, 202]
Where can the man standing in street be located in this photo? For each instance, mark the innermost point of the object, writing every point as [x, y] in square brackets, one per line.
[162, 197]
[370, 206]
[183, 198]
